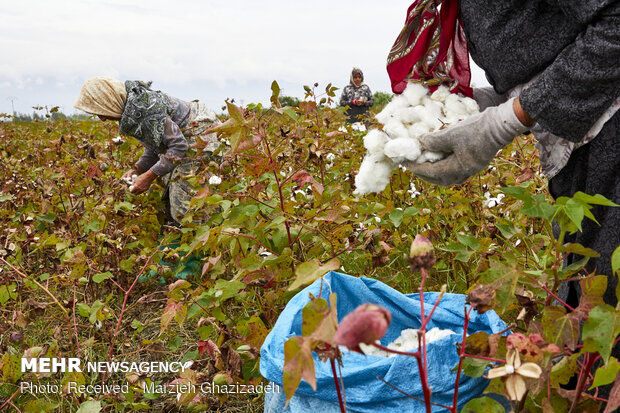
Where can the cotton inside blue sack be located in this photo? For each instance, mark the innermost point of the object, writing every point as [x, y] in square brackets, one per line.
[364, 392]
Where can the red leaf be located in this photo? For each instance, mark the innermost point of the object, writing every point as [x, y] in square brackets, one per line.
[208, 346]
[302, 177]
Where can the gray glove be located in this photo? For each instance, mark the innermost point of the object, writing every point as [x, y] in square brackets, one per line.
[470, 145]
[486, 96]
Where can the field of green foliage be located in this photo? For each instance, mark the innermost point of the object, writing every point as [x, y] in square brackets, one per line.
[86, 270]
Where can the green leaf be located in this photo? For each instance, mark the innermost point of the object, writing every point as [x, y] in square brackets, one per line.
[564, 370]
[290, 112]
[594, 199]
[40, 406]
[123, 205]
[175, 290]
[483, 404]
[579, 249]
[310, 271]
[298, 364]
[468, 240]
[615, 261]
[600, 330]
[312, 314]
[275, 93]
[224, 289]
[474, 367]
[575, 211]
[48, 218]
[562, 329]
[99, 277]
[396, 216]
[7, 292]
[6, 197]
[606, 374]
[90, 406]
[508, 230]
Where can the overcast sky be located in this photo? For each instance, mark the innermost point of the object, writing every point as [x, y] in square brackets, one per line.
[192, 49]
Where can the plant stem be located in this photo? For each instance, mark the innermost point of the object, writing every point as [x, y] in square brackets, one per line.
[461, 358]
[335, 374]
[581, 384]
[38, 285]
[124, 307]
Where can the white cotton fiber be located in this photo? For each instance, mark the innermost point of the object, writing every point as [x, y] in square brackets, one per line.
[472, 105]
[407, 341]
[440, 94]
[383, 117]
[418, 129]
[402, 149]
[454, 107]
[407, 117]
[428, 156]
[374, 174]
[433, 115]
[414, 93]
[397, 103]
[374, 141]
[395, 128]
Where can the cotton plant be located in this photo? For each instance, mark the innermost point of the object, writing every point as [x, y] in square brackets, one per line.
[408, 116]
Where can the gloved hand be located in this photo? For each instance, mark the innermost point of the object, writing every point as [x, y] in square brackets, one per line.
[470, 145]
[486, 96]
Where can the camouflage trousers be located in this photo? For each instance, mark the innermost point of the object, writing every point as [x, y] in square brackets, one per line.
[178, 191]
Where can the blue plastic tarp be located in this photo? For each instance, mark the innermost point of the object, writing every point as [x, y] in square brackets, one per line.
[364, 392]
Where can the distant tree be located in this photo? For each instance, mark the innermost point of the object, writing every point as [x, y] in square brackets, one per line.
[289, 101]
[381, 99]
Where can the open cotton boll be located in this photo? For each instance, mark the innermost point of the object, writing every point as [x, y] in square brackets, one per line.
[471, 105]
[395, 129]
[428, 156]
[402, 149]
[454, 107]
[384, 116]
[441, 94]
[432, 115]
[374, 174]
[408, 115]
[397, 103]
[418, 129]
[374, 141]
[414, 93]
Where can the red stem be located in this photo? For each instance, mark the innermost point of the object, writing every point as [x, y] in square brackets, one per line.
[333, 364]
[124, 306]
[460, 366]
[581, 384]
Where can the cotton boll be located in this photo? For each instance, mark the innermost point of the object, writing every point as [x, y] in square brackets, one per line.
[374, 141]
[397, 103]
[414, 93]
[432, 115]
[395, 129]
[471, 105]
[434, 108]
[373, 176]
[428, 156]
[408, 115]
[418, 129]
[454, 106]
[384, 116]
[402, 149]
[441, 94]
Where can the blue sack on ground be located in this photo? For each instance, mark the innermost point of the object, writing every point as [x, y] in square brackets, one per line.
[363, 391]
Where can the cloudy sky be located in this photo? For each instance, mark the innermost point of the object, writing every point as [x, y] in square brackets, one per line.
[192, 49]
